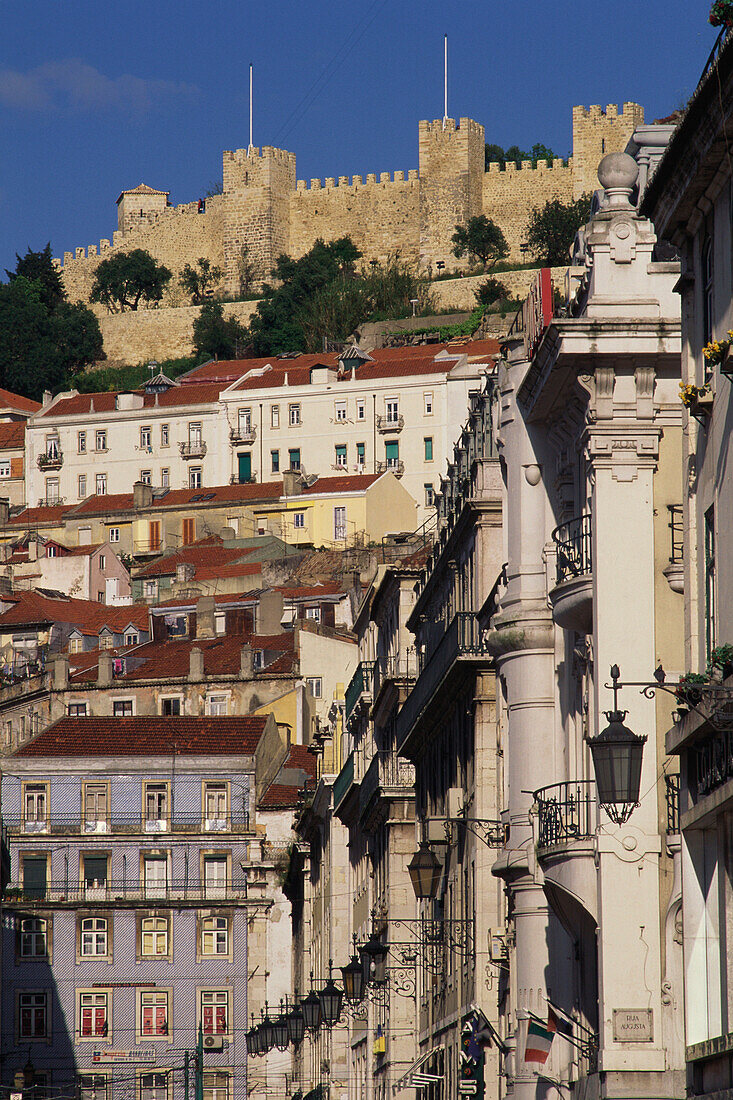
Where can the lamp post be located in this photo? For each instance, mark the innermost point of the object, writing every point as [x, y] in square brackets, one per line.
[424, 870]
[617, 756]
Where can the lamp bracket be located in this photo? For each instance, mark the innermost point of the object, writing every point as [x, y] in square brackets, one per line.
[714, 705]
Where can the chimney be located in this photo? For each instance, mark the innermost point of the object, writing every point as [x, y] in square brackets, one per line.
[142, 495]
[292, 483]
[270, 612]
[32, 549]
[196, 664]
[205, 620]
[246, 664]
[104, 670]
[4, 511]
[61, 673]
[185, 571]
[46, 399]
[227, 533]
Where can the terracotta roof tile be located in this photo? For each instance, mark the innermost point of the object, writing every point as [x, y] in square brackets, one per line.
[10, 400]
[80, 404]
[33, 607]
[147, 736]
[12, 434]
[280, 796]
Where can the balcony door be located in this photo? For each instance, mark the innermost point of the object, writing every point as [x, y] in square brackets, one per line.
[156, 876]
[244, 459]
[215, 876]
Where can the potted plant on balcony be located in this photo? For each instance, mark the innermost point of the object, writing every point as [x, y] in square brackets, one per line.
[689, 690]
[718, 354]
[53, 459]
[720, 665]
[721, 14]
[698, 399]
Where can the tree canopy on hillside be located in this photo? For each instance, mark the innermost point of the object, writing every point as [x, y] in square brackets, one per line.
[128, 278]
[482, 239]
[515, 155]
[551, 229]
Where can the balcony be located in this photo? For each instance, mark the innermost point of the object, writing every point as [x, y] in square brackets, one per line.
[395, 672]
[178, 892]
[344, 786]
[123, 824]
[572, 596]
[195, 448]
[675, 571]
[395, 465]
[566, 843]
[672, 784]
[461, 649]
[390, 424]
[51, 460]
[388, 776]
[567, 812]
[359, 690]
[244, 434]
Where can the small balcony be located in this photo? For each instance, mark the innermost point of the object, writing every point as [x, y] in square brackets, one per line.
[359, 691]
[566, 844]
[52, 459]
[244, 434]
[397, 672]
[387, 424]
[394, 465]
[567, 812]
[387, 777]
[176, 892]
[195, 448]
[123, 824]
[675, 571]
[345, 789]
[572, 596]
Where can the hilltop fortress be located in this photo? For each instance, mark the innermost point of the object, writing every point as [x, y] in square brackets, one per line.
[264, 209]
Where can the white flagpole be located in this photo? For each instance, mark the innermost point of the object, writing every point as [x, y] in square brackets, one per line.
[250, 108]
[445, 79]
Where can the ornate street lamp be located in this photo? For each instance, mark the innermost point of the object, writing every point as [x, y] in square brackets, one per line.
[617, 755]
[331, 997]
[280, 1030]
[267, 1033]
[296, 1023]
[424, 870]
[353, 978]
[311, 1008]
[374, 960]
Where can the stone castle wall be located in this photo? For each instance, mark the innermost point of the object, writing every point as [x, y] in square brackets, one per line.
[158, 333]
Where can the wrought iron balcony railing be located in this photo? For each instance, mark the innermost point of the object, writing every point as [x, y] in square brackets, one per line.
[115, 824]
[359, 685]
[195, 448]
[573, 542]
[243, 434]
[394, 464]
[390, 423]
[400, 667]
[387, 774]
[344, 780]
[676, 534]
[567, 811]
[672, 784]
[175, 890]
[50, 460]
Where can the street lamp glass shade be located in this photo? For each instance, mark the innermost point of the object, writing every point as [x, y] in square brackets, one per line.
[374, 960]
[617, 755]
[296, 1025]
[424, 870]
[281, 1032]
[353, 979]
[331, 998]
[311, 1006]
[267, 1034]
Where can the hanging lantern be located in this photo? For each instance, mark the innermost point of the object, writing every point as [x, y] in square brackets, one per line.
[296, 1024]
[331, 997]
[267, 1033]
[374, 960]
[353, 979]
[617, 756]
[424, 870]
[311, 1007]
[280, 1031]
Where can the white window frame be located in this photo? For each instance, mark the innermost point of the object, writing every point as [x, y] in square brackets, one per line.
[100, 439]
[195, 477]
[428, 403]
[213, 999]
[294, 420]
[160, 928]
[94, 1000]
[81, 486]
[33, 933]
[391, 409]
[299, 520]
[215, 699]
[315, 683]
[149, 1003]
[100, 485]
[165, 477]
[113, 534]
[81, 443]
[122, 703]
[216, 935]
[96, 937]
[5, 468]
[165, 435]
[340, 412]
[361, 408]
[274, 416]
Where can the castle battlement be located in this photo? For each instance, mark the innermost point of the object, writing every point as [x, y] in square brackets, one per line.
[358, 183]
[443, 128]
[254, 153]
[558, 164]
[610, 111]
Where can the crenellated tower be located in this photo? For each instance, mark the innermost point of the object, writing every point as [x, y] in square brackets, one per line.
[451, 183]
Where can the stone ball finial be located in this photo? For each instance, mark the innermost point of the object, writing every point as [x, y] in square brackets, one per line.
[618, 170]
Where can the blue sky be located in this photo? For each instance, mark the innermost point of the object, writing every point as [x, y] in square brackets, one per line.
[96, 97]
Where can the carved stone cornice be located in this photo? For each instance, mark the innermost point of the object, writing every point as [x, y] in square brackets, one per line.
[624, 448]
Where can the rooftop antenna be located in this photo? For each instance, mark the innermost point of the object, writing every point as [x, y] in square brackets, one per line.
[251, 143]
[445, 80]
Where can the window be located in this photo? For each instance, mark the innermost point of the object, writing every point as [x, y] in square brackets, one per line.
[360, 455]
[215, 876]
[244, 419]
[92, 1086]
[220, 622]
[154, 936]
[81, 442]
[154, 1012]
[100, 484]
[275, 461]
[131, 638]
[33, 1015]
[274, 416]
[194, 433]
[52, 490]
[392, 453]
[155, 871]
[150, 588]
[81, 486]
[113, 535]
[171, 707]
[341, 455]
[165, 478]
[102, 561]
[96, 803]
[299, 520]
[165, 435]
[146, 476]
[215, 1011]
[189, 531]
[294, 457]
[100, 440]
[93, 936]
[218, 705]
[153, 1086]
[85, 536]
[216, 1085]
[339, 412]
[215, 805]
[123, 708]
[146, 438]
[707, 290]
[52, 446]
[293, 415]
[710, 583]
[391, 409]
[94, 1014]
[35, 875]
[94, 870]
[195, 477]
[360, 408]
[428, 443]
[33, 938]
[156, 805]
[313, 613]
[77, 710]
[214, 936]
[315, 685]
[5, 468]
[258, 659]
[154, 535]
[35, 801]
[339, 523]
[429, 495]
[428, 404]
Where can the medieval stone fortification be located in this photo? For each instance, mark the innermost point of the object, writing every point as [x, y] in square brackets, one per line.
[267, 211]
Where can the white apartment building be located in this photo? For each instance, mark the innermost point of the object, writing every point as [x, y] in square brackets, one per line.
[251, 420]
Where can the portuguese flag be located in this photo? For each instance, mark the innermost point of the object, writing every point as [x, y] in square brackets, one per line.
[539, 1038]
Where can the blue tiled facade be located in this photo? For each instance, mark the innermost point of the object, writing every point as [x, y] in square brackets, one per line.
[124, 926]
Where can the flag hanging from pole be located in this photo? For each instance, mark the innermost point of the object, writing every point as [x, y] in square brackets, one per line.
[539, 1038]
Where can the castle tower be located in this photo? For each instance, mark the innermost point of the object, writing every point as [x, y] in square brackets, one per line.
[451, 181]
[139, 206]
[257, 189]
[597, 132]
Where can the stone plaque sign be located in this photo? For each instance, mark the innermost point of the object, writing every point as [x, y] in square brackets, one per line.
[633, 1025]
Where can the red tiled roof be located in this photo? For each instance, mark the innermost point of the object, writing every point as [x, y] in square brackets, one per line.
[300, 757]
[346, 483]
[303, 592]
[209, 553]
[12, 435]
[9, 400]
[236, 569]
[46, 514]
[148, 736]
[279, 796]
[178, 498]
[252, 595]
[88, 616]
[106, 402]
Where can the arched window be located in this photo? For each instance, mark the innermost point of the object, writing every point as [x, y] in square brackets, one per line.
[94, 936]
[154, 934]
[33, 938]
[214, 936]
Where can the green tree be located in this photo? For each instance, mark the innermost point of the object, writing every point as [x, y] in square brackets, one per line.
[128, 278]
[216, 336]
[39, 267]
[482, 239]
[551, 229]
[199, 280]
[490, 291]
[516, 155]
